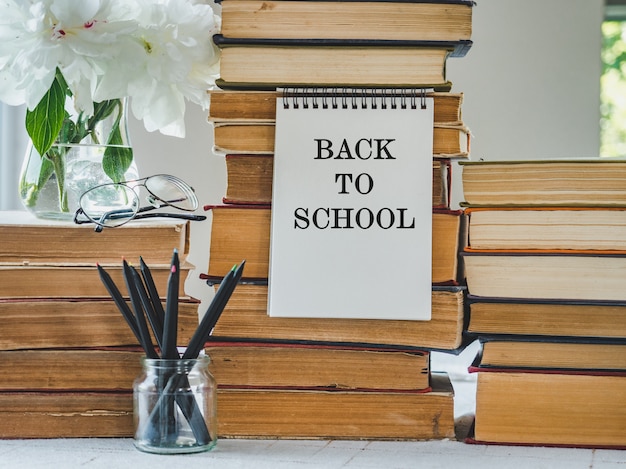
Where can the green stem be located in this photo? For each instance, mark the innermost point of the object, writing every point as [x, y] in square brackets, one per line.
[57, 156]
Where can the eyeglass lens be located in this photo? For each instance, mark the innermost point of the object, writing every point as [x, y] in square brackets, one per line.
[172, 191]
[115, 204]
[110, 204]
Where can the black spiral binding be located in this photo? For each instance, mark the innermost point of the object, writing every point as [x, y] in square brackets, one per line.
[354, 98]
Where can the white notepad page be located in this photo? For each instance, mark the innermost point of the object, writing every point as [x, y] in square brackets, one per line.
[352, 208]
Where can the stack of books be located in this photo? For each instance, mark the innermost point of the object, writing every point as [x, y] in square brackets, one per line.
[282, 377]
[67, 357]
[545, 264]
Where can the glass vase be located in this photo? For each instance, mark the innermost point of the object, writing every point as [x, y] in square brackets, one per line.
[175, 406]
[90, 150]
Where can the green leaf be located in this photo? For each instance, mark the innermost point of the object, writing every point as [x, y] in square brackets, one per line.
[44, 123]
[117, 157]
[116, 161]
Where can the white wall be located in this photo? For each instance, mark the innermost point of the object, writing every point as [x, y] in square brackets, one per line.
[531, 83]
[192, 160]
[532, 79]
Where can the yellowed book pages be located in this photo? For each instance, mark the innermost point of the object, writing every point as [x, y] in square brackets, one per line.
[550, 409]
[35, 323]
[565, 182]
[260, 106]
[66, 414]
[551, 353]
[258, 138]
[70, 369]
[30, 240]
[346, 20]
[245, 317]
[548, 319]
[63, 281]
[333, 66]
[243, 232]
[262, 413]
[317, 365]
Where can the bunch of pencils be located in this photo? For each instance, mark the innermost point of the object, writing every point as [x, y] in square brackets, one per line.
[147, 311]
[147, 308]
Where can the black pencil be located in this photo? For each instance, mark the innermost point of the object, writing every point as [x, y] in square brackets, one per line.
[157, 328]
[170, 323]
[155, 299]
[119, 301]
[214, 311]
[142, 326]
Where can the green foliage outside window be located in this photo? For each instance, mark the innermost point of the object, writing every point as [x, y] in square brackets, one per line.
[613, 89]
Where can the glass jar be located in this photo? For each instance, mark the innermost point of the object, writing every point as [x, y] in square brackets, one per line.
[175, 406]
[89, 151]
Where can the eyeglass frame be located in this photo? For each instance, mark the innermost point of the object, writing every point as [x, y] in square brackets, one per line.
[140, 212]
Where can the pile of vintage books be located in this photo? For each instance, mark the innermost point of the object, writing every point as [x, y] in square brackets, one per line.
[67, 357]
[545, 267]
[282, 377]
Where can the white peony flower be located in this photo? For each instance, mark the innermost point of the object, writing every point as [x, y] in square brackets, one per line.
[157, 52]
[176, 64]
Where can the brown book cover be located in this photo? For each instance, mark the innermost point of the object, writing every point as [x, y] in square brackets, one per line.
[317, 365]
[25, 239]
[243, 232]
[245, 317]
[249, 180]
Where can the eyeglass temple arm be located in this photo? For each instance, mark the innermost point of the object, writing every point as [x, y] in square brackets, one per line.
[182, 216]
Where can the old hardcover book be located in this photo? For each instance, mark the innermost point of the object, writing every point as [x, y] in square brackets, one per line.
[558, 318]
[70, 369]
[66, 414]
[254, 413]
[550, 407]
[245, 317]
[449, 141]
[584, 275]
[62, 281]
[42, 323]
[317, 365]
[260, 106]
[249, 180]
[243, 232]
[25, 239]
[333, 414]
[412, 20]
[274, 63]
[524, 228]
[588, 182]
[536, 352]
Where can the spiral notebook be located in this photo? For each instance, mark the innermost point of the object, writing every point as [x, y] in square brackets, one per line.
[352, 205]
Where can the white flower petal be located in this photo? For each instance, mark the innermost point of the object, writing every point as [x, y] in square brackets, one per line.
[158, 52]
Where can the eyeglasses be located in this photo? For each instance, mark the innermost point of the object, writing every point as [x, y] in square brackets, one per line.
[115, 204]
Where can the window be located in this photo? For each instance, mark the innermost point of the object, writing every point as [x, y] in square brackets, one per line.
[13, 140]
[613, 81]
